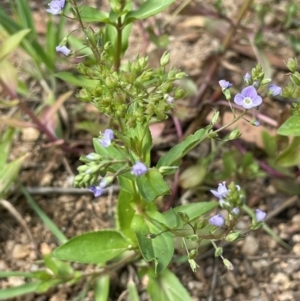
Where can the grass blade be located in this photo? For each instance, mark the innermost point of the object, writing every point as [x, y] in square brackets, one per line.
[47, 221]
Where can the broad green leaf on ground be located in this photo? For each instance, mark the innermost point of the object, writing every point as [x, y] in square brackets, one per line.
[77, 80]
[270, 144]
[194, 210]
[193, 176]
[12, 42]
[92, 247]
[16, 291]
[166, 287]
[175, 154]
[291, 155]
[91, 14]
[152, 185]
[291, 127]
[147, 9]
[161, 248]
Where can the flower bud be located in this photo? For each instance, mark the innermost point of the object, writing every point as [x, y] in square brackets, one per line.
[292, 64]
[218, 252]
[165, 59]
[228, 264]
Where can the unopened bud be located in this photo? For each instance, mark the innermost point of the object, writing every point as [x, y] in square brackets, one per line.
[165, 59]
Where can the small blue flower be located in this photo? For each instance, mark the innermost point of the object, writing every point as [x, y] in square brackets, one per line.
[255, 122]
[138, 169]
[260, 215]
[236, 211]
[96, 190]
[275, 90]
[63, 49]
[55, 7]
[217, 220]
[108, 136]
[248, 98]
[221, 192]
[224, 84]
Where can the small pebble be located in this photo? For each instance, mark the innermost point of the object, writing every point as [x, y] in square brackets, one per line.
[250, 246]
[296, 248]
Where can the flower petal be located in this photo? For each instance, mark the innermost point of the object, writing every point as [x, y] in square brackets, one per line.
[249, 92]
[239, 99]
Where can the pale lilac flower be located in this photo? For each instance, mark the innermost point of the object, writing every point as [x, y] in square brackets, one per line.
[255, 123]
[217, 220]
[55, 7]
[108, 136]
[247, 77]
[260, 215]
[224, 84]
[138, 169]
[221, 192]
[275, 90]
[248, 98]
[98, 190]
[236, 211]
[63, 49]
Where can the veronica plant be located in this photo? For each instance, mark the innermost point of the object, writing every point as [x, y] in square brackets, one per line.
[133, 95]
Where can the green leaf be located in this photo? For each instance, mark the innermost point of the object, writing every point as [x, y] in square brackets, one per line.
[161, 248]
[133, 294]
[167, 287]
[291, 155]
[46, 220]
[174, 156]
[92, 247]
[16, 291]
[101, 291]
[192, 176]
[270, 144]
[147, 9]
[90, 126]
[76, 80]
[5, 146]
[91, 14]
[9, 173]
[12, 42]
[291, 127]
[194, 210]
[4, 274]
[25, 15]
[47, 284]
[125, 212]
[59, 268]
[152, 185]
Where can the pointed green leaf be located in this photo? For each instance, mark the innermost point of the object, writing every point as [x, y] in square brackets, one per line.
[91, 14]
[194, 210]
[5, 146]
[167, 287]
[152, 185]
[16, 291]
[147, 9]
[12, 42]
[76, 80]
[291, 155]
[161, 248]
[92, 247]
[291, 127]
[174, 156]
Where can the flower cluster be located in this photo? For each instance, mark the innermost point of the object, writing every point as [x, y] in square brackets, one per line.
[229, 200]
[108, 136]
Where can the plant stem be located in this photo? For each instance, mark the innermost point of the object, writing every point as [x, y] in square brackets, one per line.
[119, 28]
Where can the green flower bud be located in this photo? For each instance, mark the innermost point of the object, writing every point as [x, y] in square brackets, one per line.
[215, 117]
[295, 77]
[184, 217]
[82, 168]
[193, 254]
[218, 252]
[292, 64]
[165, 59]
[232, 236]
[234, 134]
[266, 81]
[180, 75]
[228, 264]
[179, 93]
[143, 61]
[83, 95]
[167, 170]
[93, 169]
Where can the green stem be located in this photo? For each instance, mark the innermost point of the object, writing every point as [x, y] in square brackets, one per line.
[119, 45]
[232, 122]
